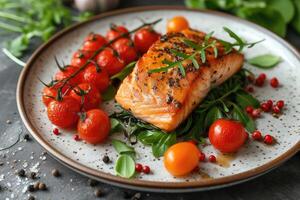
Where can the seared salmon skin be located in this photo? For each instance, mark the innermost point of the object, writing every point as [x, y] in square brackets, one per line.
[165, 99]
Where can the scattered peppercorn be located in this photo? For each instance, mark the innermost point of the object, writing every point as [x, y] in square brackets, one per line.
[256, 113]
[98, 193]
[274, 82]
[31, 197]
[127, 195]
[137, 196]
[42, 186]
[36, 185]
[249, 109]
[76, 137]
[21, 173]
[138, 167]
[265, 107]
[249, 89]
[106, 159]
[8, 121]
[268, 139]
[30, 188]
[212, 158]
[55, 173]
[276, 109]
[270, 103]
[280, 104]
[256, 135]
[32, 175]
[146, 169]
[92, 182]
[56, 131]
[26, 137]
[201, 157]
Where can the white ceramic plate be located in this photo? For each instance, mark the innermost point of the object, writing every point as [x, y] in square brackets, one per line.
[254, 159]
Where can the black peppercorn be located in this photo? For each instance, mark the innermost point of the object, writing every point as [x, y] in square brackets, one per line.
[31, 197]
[21, 173]
[42, 186]
[26, 137]
[106, 159]
[98, 193]
[32, 175]
[30, 188]
[92, 182]
[36, 185]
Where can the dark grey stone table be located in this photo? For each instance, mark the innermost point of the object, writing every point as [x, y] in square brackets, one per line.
[281, 183]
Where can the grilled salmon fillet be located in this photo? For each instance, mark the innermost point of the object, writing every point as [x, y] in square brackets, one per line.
[165, 99]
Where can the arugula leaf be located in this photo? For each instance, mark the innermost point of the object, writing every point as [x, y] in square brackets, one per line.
[163, 144]
[150, 137]
[265, 61]
[239, 115]
[213, 114]
[125, 166]
[109, 93]
[245, 99]
[121, 147]
[125, 72]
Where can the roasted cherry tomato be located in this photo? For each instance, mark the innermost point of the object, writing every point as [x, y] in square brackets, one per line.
[93, 42]
[177, 24]
[98, 78]
[144, 38]
[115, 31]
[227, 135]
[80, 57]
[125, 48]
[49, 93]
[109, 60]
[66, 73]
[64, 113]
[94, 126]
[181, 158]
[87, 94]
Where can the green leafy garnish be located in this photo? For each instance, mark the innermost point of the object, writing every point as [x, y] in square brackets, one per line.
[121, 147]
[274, 15]
[167, 140]
[125, 72]
[265, 61]
[109, 93]
[125, 166]
[29, 19]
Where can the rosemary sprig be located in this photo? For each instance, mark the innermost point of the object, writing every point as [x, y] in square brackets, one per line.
[201, 50]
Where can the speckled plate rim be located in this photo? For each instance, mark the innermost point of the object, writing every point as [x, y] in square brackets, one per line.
[141, 184]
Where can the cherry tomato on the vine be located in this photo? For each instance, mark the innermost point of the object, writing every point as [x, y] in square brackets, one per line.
[109, 60]
[144, 38]
[177, 24]
[66, 73]
[49, 93]
[94, 127]
[98, 78]
[227, 135]
[93, 42]
[125, 48]
[80, 57]
[64, 113]
[87, 94]
[181, 158]
[115, 31]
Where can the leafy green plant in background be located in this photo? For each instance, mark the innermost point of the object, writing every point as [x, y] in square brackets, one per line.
[29, 19]
[274, 15]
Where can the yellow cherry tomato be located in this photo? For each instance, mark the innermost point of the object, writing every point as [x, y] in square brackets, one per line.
[181, 158]
[177, 23]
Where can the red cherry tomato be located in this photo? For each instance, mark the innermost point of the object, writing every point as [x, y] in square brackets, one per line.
[64, 113]
[93, 42]
[48, 93]
[125, 49]
[99, 79]
[87, 94]
[108, 60]
[181, 158]
[67, 72]
[227, 135]
[95, 127]
[144, 38]
[115, 31]
[80, 57]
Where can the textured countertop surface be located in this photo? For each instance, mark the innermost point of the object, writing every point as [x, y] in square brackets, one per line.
[280, 183]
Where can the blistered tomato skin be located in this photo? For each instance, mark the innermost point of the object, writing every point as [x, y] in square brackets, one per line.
[181, 158]
[95, 126]
[227, 136]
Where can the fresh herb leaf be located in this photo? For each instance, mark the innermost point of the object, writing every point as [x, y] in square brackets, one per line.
[115, 125]
[124, 73]
[239, 115]
[109, 93]
[150, 137]
[265, 61]
[121, 147]
[213, 114]
[245, 99]
[163, 144]
[125, 166]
